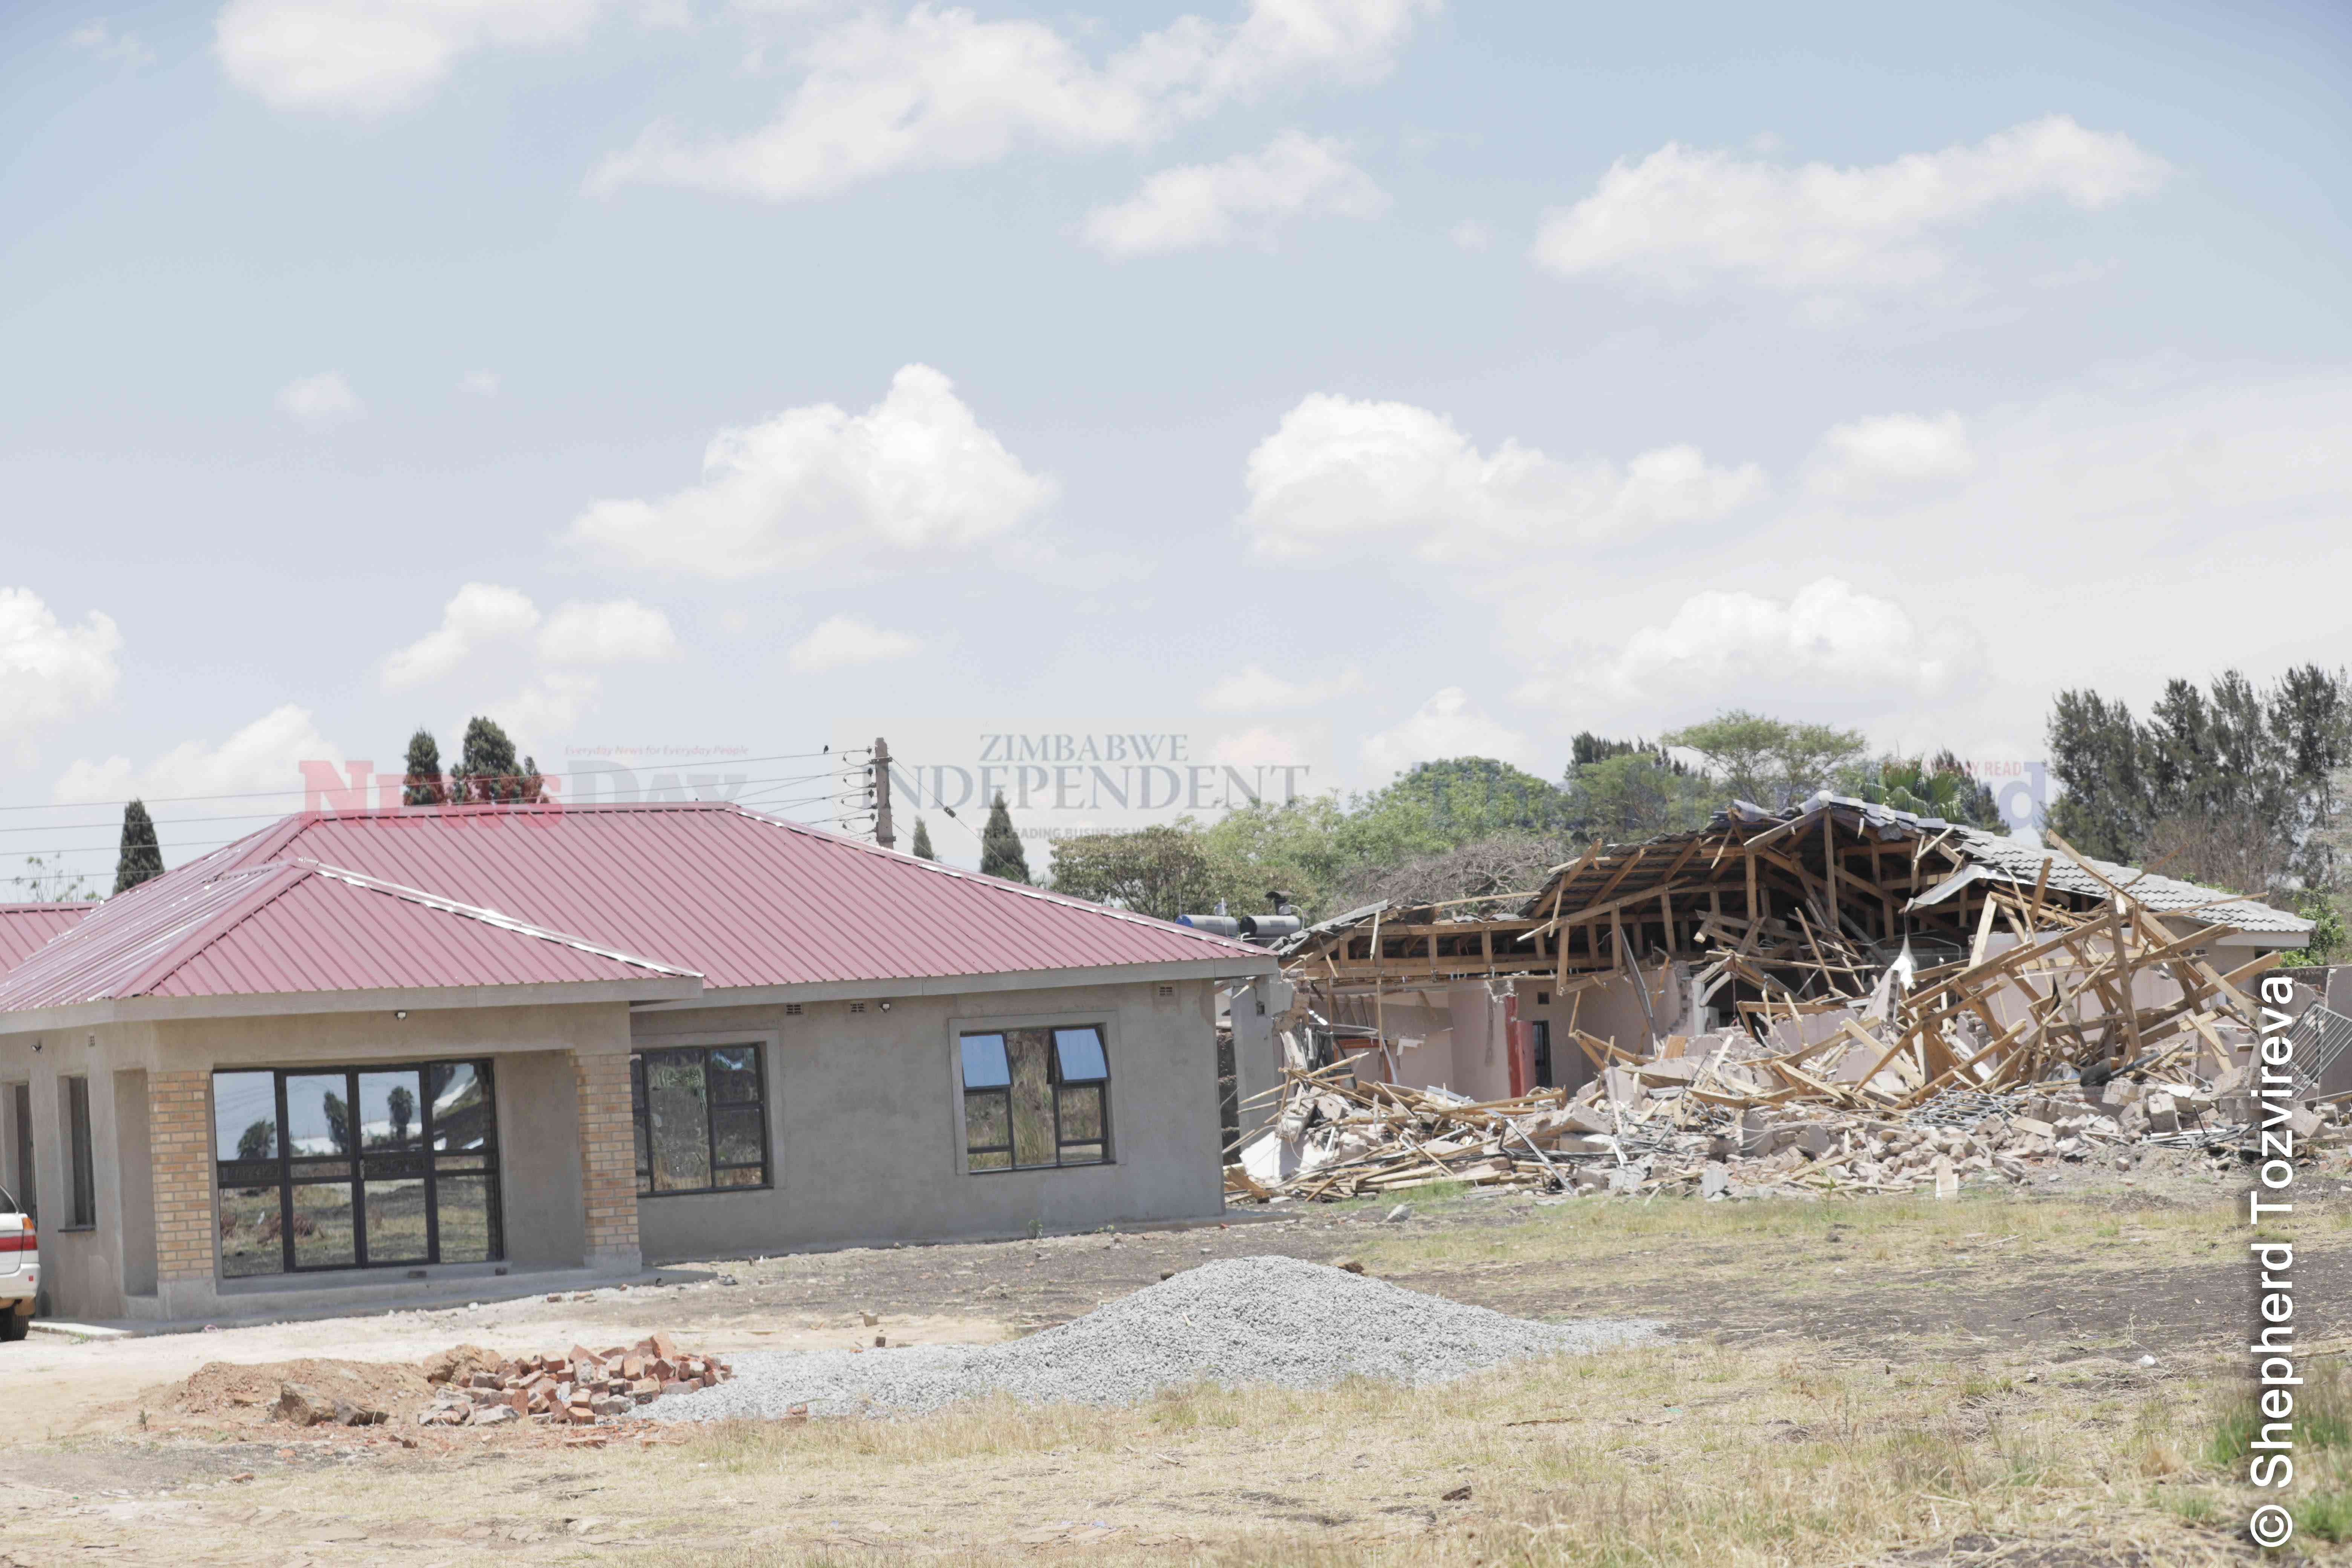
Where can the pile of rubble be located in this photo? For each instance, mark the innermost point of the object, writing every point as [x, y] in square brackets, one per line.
[2091, 1026]
[579, 1387]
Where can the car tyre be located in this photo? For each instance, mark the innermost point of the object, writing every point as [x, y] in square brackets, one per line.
[14, 1325]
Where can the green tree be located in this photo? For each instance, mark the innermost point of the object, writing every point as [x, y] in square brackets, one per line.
[1162, 870]
[1626, 795]
[1939, 786]
[141, 857]
[401, 1106]
[1770, 763]
[424, 784]
[1001, 854]
[258, 1141]
[1463, 799]
[338, 1124]
[922, 844]
[2094, 758]
[489, 771]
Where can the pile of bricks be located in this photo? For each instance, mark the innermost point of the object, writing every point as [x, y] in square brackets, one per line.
[579, 1387]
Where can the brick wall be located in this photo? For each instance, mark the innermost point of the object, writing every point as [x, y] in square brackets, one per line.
[608, 1159]
[177, 1106]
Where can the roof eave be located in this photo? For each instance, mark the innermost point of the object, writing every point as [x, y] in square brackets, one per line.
[652, 989]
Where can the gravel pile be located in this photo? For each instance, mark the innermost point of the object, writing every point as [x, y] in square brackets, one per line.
[1244, 1321]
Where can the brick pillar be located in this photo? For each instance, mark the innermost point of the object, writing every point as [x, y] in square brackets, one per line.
[177, 1106]
[608, 1158]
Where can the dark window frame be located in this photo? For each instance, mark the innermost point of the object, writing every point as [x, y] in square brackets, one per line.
[81, 1175]
[1004, 1095]
[20, 1111]
[1539, 1059]
[641, 1121]
[279, 1170]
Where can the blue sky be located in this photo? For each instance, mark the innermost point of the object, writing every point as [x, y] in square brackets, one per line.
[1349, 381]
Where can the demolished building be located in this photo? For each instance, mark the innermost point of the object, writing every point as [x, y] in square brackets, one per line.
[1836, 953]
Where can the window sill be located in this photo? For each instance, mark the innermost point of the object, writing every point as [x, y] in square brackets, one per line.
[73, 1230]
[1034, 1170]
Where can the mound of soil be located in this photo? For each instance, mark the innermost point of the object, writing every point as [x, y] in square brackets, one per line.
[237, 1394]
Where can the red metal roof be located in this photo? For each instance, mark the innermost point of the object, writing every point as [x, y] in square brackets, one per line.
[297, 926]
[741, 899]
[25, 927]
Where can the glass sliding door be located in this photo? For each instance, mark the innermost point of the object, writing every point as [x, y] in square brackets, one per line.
[356, 1168]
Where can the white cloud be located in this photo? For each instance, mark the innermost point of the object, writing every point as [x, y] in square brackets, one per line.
[1470, 234]
[363, 57]
[1826, 642]
[915, 473]
[939, 87]
[267, 754]
[620, 631]
[1681, 215]
[1253, 690]
[50, 671]
[1272, 746]
[548, 704]
[1447, 725]
[480, 383]
[480, 613]
[1245, 198]
[320, 401]
[1339, 472]
[100, 41]
[1868, 457]
[843, 640]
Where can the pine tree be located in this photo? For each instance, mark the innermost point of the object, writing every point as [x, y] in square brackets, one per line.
[142, 856]
[489, 771]
[1000, 847]
[425, 784]
[923, 845]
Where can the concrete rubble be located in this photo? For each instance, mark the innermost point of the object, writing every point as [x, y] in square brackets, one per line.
[1862, 1048]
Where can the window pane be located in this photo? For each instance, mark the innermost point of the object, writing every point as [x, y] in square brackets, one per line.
[317, 1121]
[734, 1075]
[986, 1124]
[638, 1124]
[390, 1110]
[1033, 1104]
[395, 1221]
[251, 1232]
[738, 1135]
[749, 1176]
[983, 1062]
[461, 1107]
[469, 1227]
[1082, 1055]
[997, 1161]
[1081, 1154]
[322, 1226]
[245, 1116]
[84, 1194]
[1082, 1114]
[677, 1112]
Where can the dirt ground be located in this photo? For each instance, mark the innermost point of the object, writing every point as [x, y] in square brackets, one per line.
[2009, 1378]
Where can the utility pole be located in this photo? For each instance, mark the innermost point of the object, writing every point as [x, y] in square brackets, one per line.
[882, 832]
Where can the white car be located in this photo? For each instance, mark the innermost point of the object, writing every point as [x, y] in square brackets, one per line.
[20, 1270]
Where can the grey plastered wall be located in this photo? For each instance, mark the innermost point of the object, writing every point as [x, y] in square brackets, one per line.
[108, 1271]
[866, 1122]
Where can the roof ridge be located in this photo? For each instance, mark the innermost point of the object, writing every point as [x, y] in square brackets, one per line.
[503, 921]
[1043, 895]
